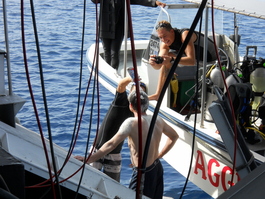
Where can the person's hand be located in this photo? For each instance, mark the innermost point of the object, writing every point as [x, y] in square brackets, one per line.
[153, 63]
[79, 157]
[151, 60]
[131, 73]
[158, 3]
[167, 59]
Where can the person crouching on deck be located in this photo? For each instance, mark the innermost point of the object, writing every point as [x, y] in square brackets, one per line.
[171, 42]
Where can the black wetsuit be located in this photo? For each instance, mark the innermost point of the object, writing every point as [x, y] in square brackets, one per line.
[117, 113]
[111, 29]
[211, 55]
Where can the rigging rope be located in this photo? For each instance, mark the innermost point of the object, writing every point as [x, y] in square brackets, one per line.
[45, 100]
[31, 91]
[75, 132]
[195, 119]
[139, 190]
[228, 95]
[171, 72]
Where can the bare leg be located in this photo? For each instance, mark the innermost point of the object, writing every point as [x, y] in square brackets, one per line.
[162, 78]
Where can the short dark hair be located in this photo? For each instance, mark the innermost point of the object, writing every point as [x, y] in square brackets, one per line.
[132, 98]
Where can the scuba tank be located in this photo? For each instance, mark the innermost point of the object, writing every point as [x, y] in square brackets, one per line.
[215, 78]
[232, 79]
[257, 79]
[253, 71]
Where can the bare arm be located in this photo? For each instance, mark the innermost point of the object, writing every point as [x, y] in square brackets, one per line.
[189, 59]
[123, 132]
[123, 83]
[164, 49]
[172, 138]
[107, 147]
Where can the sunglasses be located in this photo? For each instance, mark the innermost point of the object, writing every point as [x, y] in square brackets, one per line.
[141, 84]
[164, 25]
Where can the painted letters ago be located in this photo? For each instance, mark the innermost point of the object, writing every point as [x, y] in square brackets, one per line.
[213, 171]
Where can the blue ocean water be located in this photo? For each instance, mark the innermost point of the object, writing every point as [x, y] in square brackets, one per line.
[59, 26]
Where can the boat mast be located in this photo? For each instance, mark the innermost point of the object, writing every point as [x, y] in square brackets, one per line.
[125, 38]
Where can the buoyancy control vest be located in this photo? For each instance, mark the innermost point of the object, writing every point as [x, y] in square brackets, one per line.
[242, 97]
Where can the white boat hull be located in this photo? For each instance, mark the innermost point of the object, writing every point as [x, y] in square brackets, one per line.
[211, 164]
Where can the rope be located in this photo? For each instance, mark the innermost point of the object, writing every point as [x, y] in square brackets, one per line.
[30, 87]
[171, 72]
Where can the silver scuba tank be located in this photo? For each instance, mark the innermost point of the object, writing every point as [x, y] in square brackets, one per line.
[232, 79]
[216, 77]
[257, 79]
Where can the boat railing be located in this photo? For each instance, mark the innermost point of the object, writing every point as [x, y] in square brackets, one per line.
[2, 73]
[7, 48]
[10, 103]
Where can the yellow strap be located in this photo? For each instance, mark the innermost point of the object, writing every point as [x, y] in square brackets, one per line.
[174, 87]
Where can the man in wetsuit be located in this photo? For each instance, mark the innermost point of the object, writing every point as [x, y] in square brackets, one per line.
[153, 183]
[172, 39]
[117, 113]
